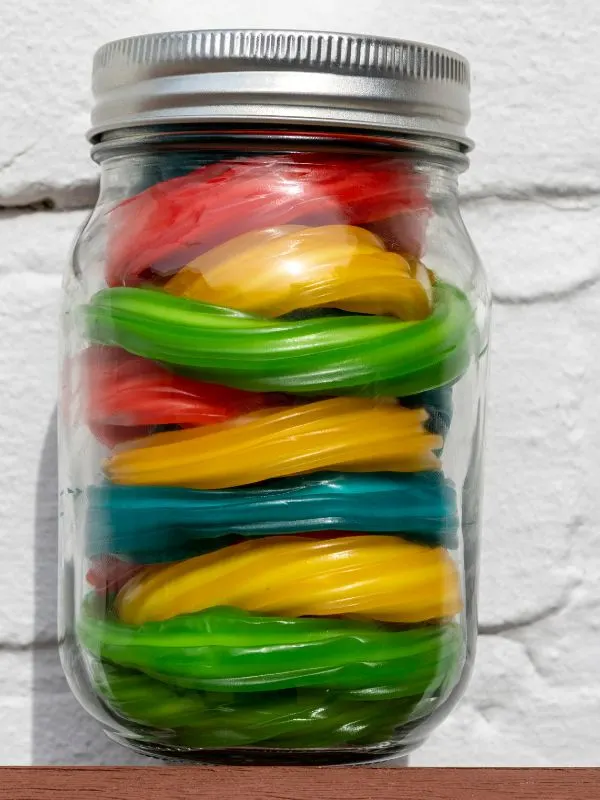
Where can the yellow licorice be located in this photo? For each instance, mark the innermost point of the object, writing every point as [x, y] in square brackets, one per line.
[275, 271]
[345, 433]
[378, 577]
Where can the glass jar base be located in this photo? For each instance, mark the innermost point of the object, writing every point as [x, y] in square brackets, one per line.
[269, 757]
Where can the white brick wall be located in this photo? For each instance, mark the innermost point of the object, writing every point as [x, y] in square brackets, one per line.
[532, 203]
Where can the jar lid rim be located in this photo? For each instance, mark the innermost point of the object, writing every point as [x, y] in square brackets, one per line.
[262, 75]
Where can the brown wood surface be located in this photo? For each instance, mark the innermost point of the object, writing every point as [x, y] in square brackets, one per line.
[290, 783]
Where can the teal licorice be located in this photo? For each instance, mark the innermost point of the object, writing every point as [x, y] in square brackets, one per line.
[438, 404]
[150, 523]
[334, 355]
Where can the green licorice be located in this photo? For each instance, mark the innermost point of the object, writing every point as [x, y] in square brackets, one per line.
[352, 354]
[201, 719]
[226, 649]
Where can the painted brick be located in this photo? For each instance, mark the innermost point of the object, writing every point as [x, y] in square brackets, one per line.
[533, 75]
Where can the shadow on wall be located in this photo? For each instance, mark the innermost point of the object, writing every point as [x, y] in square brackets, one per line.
[62, 732]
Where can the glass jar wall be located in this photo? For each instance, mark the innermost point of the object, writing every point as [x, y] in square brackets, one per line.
[274, 358]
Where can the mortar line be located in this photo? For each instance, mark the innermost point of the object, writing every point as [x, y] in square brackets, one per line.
[57, 200]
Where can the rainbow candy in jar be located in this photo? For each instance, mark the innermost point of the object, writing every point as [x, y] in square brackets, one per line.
[272, 424]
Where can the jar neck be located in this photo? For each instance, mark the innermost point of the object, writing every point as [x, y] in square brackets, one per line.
[441, 160]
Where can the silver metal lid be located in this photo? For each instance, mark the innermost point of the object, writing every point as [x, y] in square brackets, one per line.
[334, 79]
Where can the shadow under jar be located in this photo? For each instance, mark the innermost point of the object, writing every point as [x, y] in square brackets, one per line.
[274, 359]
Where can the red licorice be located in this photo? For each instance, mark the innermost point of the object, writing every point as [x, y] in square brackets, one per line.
[166, 226]
[126, 396]
[107, 574]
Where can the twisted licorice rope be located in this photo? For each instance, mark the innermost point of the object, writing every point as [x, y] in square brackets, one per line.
[126, 397]
[228, 650]
[308, 718]
[149, 524]
[376, 577]
[164, 227]
[336, 355]
[348, 433]
[276, 271]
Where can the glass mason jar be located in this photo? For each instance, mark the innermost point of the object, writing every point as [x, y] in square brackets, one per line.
[274, 361]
